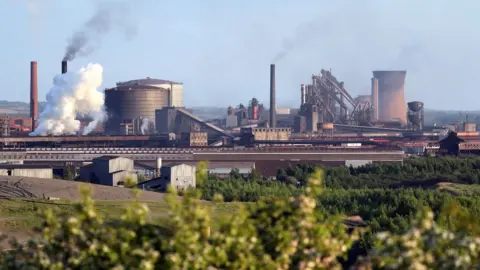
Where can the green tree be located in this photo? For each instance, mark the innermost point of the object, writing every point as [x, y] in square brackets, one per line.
[235, 174]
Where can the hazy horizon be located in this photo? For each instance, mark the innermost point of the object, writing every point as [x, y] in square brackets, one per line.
[221, 50]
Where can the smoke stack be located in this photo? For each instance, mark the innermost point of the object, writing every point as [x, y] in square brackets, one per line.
[273, 106]
[33, 93]
[391, 95]
[303, 93]
[64, 67]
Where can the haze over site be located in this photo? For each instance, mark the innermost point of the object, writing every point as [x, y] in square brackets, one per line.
[217, 48]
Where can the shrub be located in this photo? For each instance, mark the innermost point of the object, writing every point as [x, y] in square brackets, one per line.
[276, 233]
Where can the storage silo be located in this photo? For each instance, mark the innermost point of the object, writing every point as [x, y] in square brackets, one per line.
[391, 95]
[175, 88]
[132, 100]
[126, 104]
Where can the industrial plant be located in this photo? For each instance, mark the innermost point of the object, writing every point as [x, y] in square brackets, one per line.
[146, 120]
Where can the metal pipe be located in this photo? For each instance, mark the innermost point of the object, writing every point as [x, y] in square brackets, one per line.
[273, 106]
[34, 93]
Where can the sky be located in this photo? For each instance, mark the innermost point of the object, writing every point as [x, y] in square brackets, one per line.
[221, 50]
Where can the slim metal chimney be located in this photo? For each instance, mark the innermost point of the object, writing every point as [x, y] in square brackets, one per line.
[64, 67]
[273, 106]
[33, 93]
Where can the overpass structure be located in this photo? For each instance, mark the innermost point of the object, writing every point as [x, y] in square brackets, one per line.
[205, 154]
[368, 128]
[201, 122]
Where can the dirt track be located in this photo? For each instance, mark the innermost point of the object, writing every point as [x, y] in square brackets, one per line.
[25, 187]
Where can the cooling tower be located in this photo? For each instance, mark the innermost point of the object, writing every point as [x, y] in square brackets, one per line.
[391, 95]
[374, 99]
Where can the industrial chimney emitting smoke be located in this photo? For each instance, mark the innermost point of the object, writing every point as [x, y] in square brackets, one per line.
[273, 106]
[64, 67]
[33, 93]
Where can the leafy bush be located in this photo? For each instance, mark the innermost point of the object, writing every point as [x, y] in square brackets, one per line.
[276, 233]
[425, 246]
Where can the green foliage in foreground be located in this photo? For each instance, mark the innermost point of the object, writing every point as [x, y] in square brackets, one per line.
[382, 209]
[415, 172]
[412, 172]
[247, 190]
[281, 233]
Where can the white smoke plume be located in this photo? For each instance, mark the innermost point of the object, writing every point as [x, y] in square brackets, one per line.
[109, 15]
[145, 126]
[73, 94]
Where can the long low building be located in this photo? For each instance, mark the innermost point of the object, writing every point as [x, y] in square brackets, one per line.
[25, 170]
[266, 159]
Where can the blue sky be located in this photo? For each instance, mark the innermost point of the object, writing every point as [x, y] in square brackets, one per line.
[221, 50]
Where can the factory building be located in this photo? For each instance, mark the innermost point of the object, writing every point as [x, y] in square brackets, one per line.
[450, 145]
[177, 121]
[195, 139]
[179, 176]
[109, 171]
[469, 127]
[390, 88]
[26, 170]
[300, 124]
[137, 100]
[243, 116]
[15, 125]
[250, 135]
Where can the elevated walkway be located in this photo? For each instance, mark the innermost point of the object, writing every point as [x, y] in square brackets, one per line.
[197, 119]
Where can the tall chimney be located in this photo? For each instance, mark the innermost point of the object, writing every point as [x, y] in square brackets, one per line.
[273, 106]
[64, 67]
[33, 93]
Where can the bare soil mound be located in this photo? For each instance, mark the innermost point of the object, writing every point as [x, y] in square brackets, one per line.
[41, 188]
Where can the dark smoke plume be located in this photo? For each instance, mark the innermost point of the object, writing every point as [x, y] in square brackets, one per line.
[109, 15]
[301, 36]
